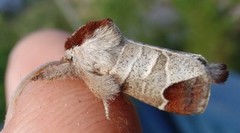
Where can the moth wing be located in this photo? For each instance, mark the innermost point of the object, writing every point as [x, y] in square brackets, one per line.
[174, 82]
[186, 97]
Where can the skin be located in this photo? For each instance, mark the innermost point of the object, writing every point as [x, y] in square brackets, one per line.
[60, 105]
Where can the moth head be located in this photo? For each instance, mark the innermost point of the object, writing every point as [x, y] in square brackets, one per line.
[96, 31]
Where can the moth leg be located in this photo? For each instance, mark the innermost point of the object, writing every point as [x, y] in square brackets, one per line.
[52, 70]
[104, 87]
[106, 108]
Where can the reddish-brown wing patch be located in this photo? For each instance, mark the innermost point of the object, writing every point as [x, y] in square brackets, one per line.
[187, 97]
[85, 32]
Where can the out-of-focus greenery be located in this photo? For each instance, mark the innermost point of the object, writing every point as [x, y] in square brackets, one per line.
[207, 30]
[207, 27]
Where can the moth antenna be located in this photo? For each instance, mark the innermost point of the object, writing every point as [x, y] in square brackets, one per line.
[40, 74]
[218, 72]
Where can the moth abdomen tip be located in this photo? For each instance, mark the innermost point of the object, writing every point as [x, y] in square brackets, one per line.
[218, 72]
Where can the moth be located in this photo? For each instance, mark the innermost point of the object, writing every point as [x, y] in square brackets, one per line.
[110, 64]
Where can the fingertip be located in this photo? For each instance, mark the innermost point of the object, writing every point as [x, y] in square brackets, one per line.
[67, 105]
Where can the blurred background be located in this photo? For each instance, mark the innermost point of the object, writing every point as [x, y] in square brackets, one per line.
[207, 27]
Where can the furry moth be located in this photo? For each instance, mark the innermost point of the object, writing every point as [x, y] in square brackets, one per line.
[110, 63]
